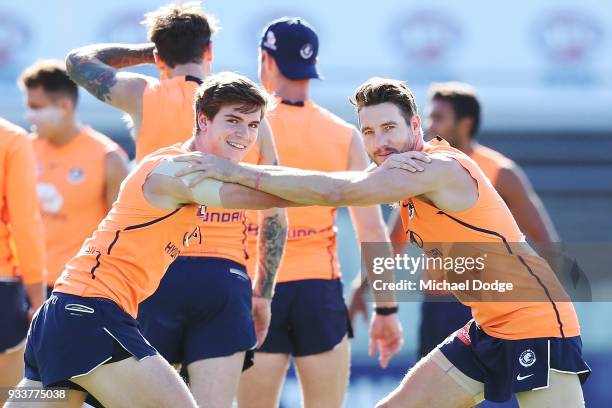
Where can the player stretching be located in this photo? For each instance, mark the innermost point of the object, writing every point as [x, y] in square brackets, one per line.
[531, 349]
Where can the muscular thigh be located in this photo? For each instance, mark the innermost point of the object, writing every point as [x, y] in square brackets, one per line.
[564, 390]
[260, 385]
[435, 382]
[150, 382]
[74, 399]
[214, 381]
[324, 376]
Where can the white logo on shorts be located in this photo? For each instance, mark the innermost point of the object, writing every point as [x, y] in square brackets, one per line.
[306, 51]
[527, 358]
[74, 307]
[521, 378]
[240, 273]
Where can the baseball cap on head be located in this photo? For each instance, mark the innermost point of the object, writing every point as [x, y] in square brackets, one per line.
[294, 44]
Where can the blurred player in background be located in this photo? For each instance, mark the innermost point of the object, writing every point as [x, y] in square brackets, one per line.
[86, 336]
[79, 169]
[453, 113]
[309, 315]
[22, 263]
[214, 344]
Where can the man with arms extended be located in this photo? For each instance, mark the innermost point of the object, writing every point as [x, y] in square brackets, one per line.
[531, 348]
[454, 114]
[309, 316]
[86, 336]
[79, 169]
[22, 249]
[162, 114]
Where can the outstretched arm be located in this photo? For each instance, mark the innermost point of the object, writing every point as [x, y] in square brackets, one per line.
[164, 189]
[444, 182]
[385, 331]
[95, 68]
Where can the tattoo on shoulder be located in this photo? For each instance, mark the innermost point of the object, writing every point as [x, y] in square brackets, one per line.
[271, 248]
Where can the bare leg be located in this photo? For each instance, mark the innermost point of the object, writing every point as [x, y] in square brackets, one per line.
[324, 377]
[214, 381]
[434, 382]
[150, 382]
[260, 386]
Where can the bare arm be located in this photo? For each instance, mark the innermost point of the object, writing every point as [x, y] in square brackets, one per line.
[272, 226]
[165, 190]
[95, 68]
[525, 205]
[368, 221]
[444, 182]
[115, 170]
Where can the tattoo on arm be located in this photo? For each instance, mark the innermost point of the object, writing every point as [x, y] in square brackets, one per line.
[271, 247]
[95, 67]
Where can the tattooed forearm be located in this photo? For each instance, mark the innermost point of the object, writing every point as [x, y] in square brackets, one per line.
[271, 247]
[95, 67]
[125, 55]
[96, 78]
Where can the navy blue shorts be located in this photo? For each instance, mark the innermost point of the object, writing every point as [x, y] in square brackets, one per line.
[14, 316]
[308, 317]
[72, 335]
[202, 309]
[441, 316]
[510, 366]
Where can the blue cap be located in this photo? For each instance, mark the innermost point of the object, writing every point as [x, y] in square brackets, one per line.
[294, 44]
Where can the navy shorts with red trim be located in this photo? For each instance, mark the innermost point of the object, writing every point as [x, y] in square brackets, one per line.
[510, 366]
[441, 316]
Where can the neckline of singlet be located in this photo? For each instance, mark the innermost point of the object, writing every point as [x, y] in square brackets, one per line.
[299, 104]
[191, 78]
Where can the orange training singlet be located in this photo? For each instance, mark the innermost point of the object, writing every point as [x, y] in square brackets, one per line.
[224, 231]
[490, 161]
[168, 117]
[311, 249]
[489, 222]
[71, 193]
[22, 237]
[134, 245]
[167, 114]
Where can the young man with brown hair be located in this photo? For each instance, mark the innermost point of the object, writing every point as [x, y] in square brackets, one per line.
[162, 114]
[453, 112]
[86, 336]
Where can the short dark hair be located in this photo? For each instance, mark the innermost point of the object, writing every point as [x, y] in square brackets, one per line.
[228, 88]
[181, 33]
[463, 99]
[52, 76]
[380, 90]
